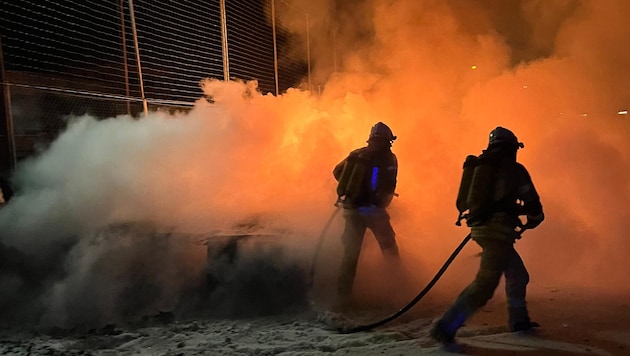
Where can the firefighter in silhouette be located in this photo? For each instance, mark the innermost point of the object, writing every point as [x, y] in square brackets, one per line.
[367, 181]
[495, 190]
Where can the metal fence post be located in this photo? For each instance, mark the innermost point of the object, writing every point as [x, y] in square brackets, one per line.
[224, 42]
[7, 139]
[135, 40]
[124, 53]
[308, 51]
[275, 44]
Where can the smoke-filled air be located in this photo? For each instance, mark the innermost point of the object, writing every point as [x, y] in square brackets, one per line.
[115, 217]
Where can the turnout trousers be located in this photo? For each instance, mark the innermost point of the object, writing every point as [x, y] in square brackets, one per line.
[498, 258]
[357, 222]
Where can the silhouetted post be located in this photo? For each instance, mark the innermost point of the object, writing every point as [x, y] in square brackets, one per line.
[135, 42]
[308, 51]
[124, 54]
[275, 44]
[224, 42]
[7, 143]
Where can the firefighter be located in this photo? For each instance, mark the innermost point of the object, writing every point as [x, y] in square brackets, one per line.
[367, 181]
[495, 226]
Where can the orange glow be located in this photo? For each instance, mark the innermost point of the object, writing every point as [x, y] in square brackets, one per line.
[406, 63]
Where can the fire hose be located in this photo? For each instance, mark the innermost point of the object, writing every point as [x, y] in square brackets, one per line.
[405, 308]
[320, 240]
[415, 300]
[422, 293]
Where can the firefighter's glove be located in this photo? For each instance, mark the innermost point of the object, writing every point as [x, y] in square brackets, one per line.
[533, 221]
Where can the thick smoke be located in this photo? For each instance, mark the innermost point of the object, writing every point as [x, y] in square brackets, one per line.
[445, 73]
[111, 220]
[114, 219]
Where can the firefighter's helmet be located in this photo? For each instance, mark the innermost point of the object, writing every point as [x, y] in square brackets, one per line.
[501, 135]
[380, 130]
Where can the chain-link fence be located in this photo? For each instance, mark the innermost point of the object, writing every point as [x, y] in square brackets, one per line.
[105, 58]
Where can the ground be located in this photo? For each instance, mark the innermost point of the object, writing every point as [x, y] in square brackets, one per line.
[573, 322]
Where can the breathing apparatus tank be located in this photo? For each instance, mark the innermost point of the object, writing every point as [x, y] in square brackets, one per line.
[352, 179]
[476, 196]
[364, 179]
[464, 185]
[476, 200]
[480, 199]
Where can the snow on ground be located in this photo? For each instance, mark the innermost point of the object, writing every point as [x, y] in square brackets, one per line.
[572, 324]
[254, 305]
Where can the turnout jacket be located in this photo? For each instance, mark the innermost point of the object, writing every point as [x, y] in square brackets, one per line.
[377, 184]
[515, 195]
